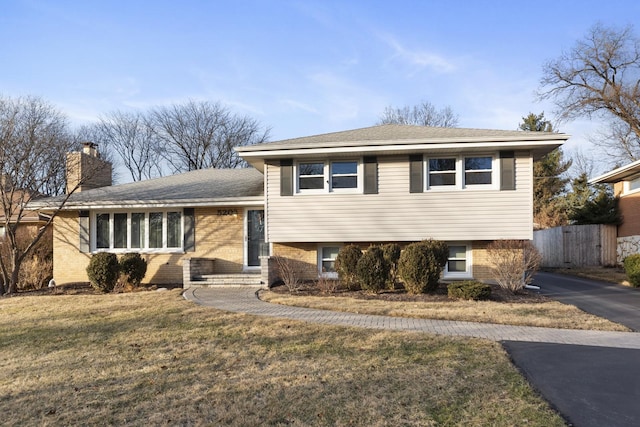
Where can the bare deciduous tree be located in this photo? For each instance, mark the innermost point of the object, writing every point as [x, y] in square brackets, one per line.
[34, 140]
[131, 137]
[423, 114]
[198, 135]
[600, 75]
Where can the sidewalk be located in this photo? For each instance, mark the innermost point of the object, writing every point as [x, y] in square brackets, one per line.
[243, 299]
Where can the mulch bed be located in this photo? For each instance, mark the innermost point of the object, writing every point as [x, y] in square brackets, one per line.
[498, 294]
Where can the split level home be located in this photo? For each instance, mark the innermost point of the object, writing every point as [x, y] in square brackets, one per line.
[626, 186]
[305, 198]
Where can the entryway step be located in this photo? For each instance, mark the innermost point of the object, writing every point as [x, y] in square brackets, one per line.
[226, 279]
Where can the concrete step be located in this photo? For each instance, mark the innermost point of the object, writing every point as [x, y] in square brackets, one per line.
[226, 279]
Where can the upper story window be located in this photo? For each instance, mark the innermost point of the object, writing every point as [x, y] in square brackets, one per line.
[318, 177]
[478, 170]
[137, 231]
[311, 176]
[450, 173]
[442, 172]
[634, 184]
[344, 175]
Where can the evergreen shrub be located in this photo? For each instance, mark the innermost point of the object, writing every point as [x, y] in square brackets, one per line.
[346, 265]
[391, 252]
[103, 271]
[372, 269]
[632, 269]
[420, 265]
[133, 268]
[469, 290]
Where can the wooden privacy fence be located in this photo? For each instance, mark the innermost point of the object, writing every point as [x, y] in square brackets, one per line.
[577, 245]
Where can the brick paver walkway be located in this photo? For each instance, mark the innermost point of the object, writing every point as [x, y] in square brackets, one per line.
[243, 299]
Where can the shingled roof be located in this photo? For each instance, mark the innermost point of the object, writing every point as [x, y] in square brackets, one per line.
[197, 188]
[401, 134]
[402, 139]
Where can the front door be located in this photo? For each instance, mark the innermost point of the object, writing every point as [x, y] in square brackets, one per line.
[255, 236]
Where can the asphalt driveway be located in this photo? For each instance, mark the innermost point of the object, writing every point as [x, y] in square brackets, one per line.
[620, 304]
[589, 386]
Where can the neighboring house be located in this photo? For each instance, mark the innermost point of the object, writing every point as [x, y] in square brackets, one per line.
[305, 198]
[626, 186]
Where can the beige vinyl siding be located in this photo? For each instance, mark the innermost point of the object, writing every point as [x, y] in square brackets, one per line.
[397, 215]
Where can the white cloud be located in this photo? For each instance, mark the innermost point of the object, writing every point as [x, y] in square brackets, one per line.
[417, 58]
[300, 106]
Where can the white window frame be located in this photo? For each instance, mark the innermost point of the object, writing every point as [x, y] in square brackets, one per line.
[494, 174]
[460, 173]
[327, 177]
[145, 248]
[468, 273]
[328, 275]
[456, 173]
[628, 184]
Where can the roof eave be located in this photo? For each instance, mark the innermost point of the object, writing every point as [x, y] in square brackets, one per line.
[155, 204]
[618, 174]
[248, 150]
[404, 148]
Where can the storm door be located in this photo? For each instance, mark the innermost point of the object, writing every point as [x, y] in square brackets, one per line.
[254, 237]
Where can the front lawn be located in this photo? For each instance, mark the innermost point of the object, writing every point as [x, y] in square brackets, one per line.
[523, 309]
[152, 358]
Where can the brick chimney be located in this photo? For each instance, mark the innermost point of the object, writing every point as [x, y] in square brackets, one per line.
[86, 170]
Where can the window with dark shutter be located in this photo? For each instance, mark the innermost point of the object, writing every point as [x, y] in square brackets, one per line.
[416, 179]
[286, 177]
[507, 170]
[370, 174]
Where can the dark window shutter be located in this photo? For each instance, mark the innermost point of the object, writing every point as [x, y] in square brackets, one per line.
[416, 178]
[83, 217]
[370, 174]
[189, 229]
[286, 177]
[507, 170]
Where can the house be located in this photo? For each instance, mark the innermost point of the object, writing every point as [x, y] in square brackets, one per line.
[305, 198]
[626, 186]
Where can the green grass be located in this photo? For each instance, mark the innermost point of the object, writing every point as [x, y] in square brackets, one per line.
[151, 358]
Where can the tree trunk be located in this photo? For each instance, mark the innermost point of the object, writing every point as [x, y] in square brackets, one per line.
[15, 272]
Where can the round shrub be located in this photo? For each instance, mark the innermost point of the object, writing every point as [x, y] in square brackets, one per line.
[439, 249]
[373, 270]
[469, 290]
[346, 265]
[632, 269]
[420, 266]
[133, 267]
[103, 271]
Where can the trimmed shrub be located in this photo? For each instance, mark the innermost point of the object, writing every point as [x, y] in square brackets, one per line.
[133, 268]
[632, 269]
[469, 290]
[420, 266]
[103, 271]
[391, 252]
[373, 270]
[439, 249]
[346, 265]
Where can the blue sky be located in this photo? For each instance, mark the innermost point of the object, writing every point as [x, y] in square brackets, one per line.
[299, 67]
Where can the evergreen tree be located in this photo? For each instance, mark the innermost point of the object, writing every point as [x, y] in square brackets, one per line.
[592, 204]
[549, 204]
